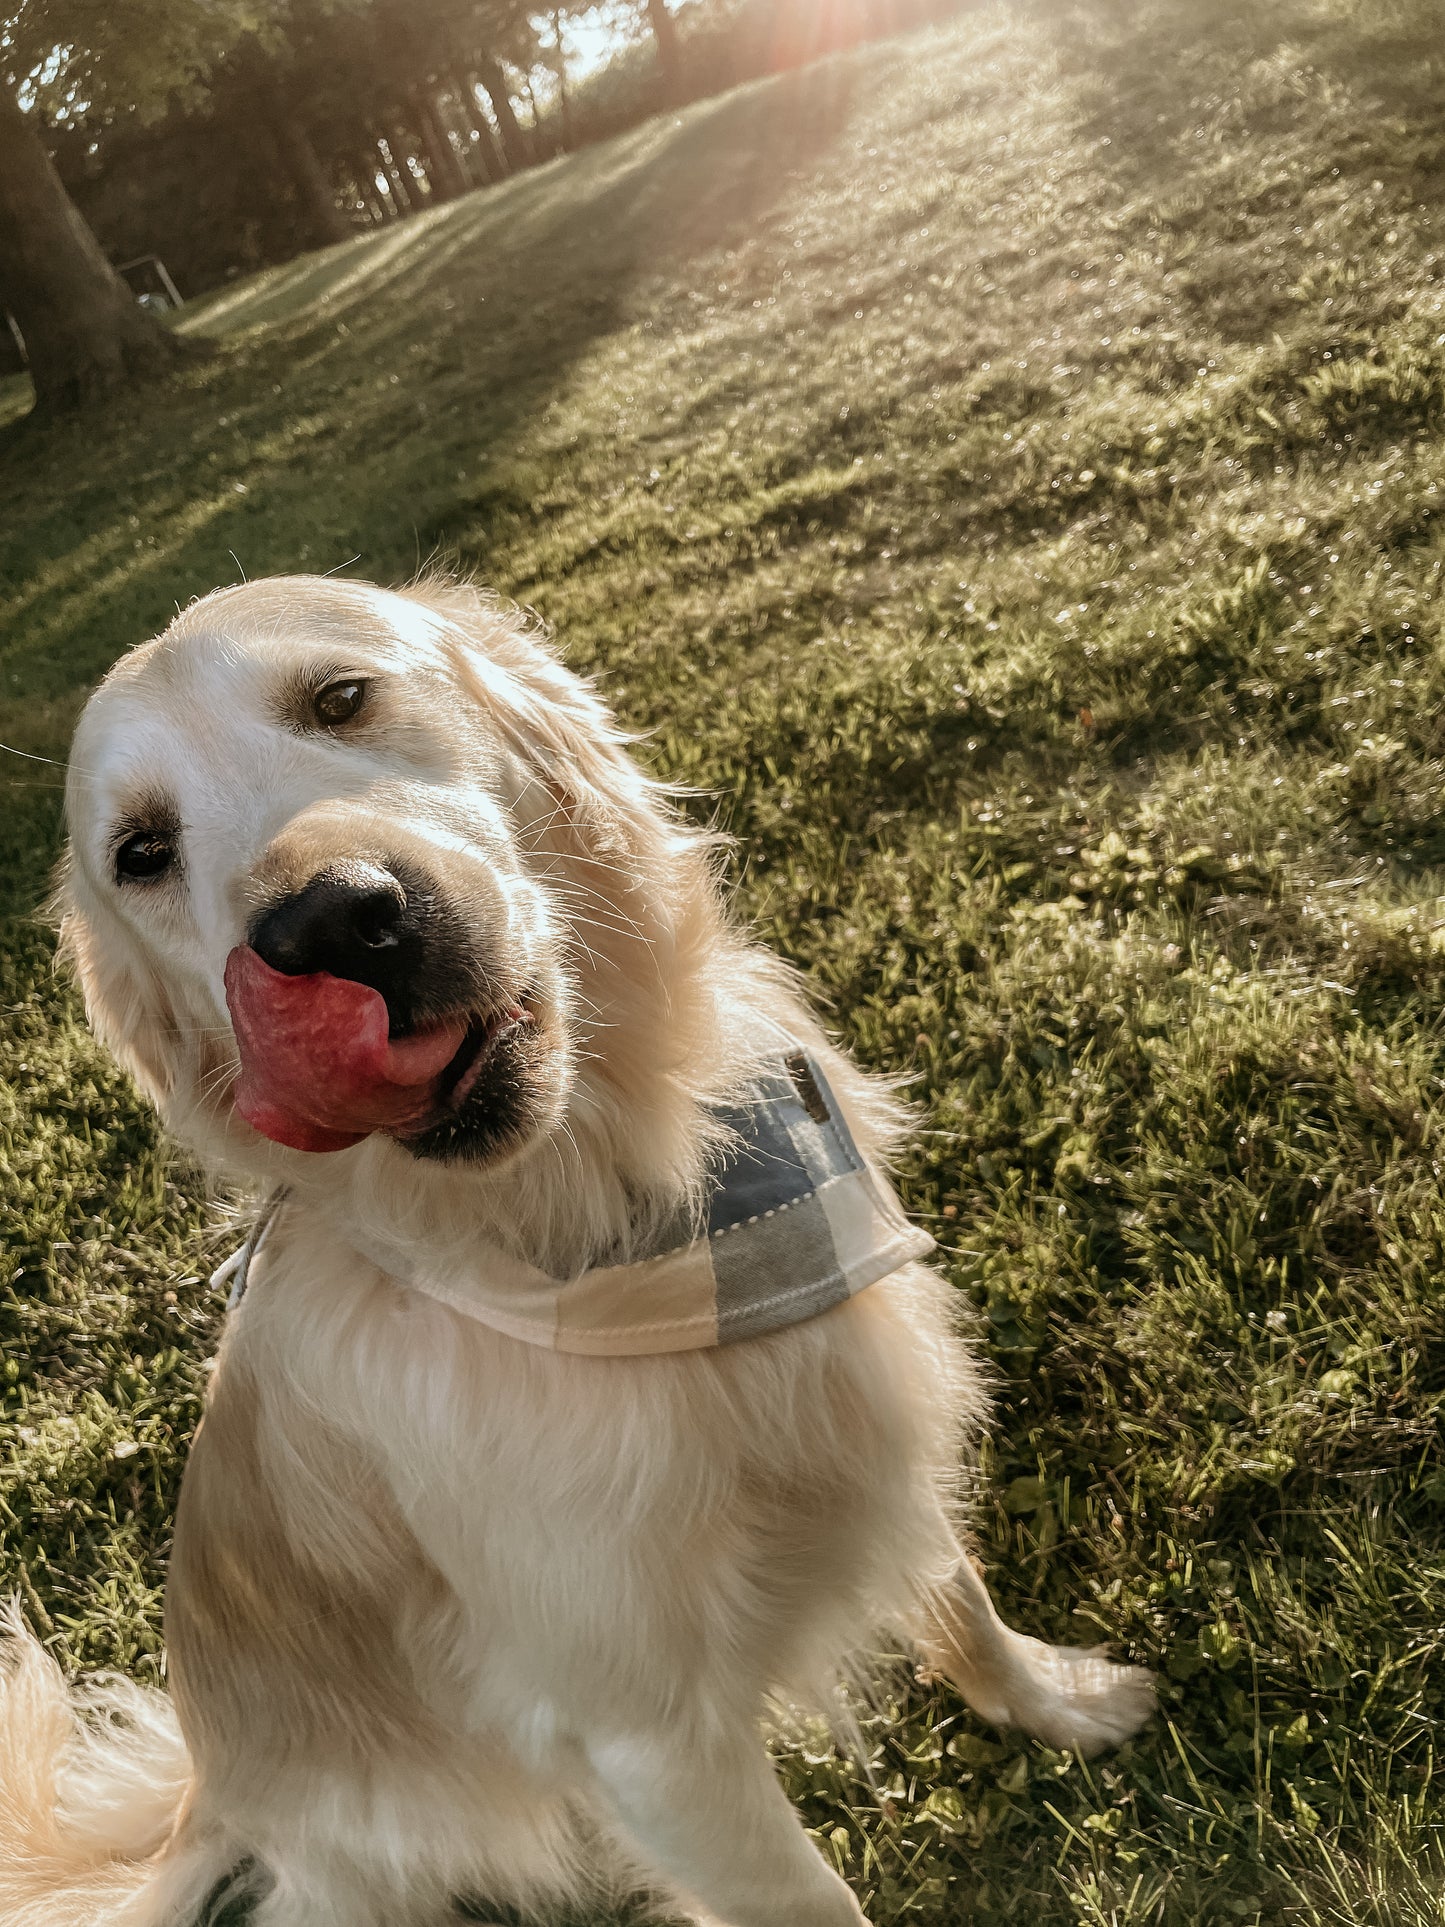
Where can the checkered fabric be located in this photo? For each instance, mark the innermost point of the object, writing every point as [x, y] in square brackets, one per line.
[797, 1222]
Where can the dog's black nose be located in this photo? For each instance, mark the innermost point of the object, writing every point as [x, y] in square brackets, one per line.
[350, 919]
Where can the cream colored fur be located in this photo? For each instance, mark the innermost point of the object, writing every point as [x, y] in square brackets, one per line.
[449, 1614]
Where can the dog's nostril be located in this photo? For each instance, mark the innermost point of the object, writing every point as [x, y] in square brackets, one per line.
[378, 920]
[337, 922]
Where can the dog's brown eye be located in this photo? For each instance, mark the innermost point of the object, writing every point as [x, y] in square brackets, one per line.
[147, 854]
[339, 702]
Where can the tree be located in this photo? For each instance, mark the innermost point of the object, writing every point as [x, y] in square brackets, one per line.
[466, 41]
[514, 141]
[443, 166]
[314, 191]
[84, 333]
[556, 58]
[260, 85]
[403, 175]
[484, 141]
[669, 49]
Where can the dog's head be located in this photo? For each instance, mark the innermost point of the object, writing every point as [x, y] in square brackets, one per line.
[349, 867]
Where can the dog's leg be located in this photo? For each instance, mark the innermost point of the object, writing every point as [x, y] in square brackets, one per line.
[711, 1817]
[1071, 1697]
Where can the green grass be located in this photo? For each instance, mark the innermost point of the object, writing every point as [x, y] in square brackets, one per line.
[1003, 469]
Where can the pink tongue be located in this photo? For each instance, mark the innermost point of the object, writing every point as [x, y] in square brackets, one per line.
[318, 1070]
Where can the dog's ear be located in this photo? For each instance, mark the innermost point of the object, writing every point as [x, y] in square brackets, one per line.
[125, 1000]
[633, 880]
[558, 727]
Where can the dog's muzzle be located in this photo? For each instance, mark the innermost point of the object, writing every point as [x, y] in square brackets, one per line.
[355, 1008]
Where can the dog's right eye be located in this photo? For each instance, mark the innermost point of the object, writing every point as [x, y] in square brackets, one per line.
[147, 854]
[339, 702]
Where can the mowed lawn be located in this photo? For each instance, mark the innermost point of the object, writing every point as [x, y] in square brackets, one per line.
[1002, 470]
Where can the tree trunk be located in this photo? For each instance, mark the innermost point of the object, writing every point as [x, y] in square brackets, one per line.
[84, 333]
[492, 160]
[534, 140]
[364, 169]
[391, 170]
[443, 168]
[669, 52]
[374, 169]
[377, 166]
[461, 130]
[564, 97]
[514, 141]
[399, 148]
[317, 198]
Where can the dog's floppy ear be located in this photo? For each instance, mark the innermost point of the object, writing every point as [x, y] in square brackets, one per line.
[125, 1001]
[556, 724]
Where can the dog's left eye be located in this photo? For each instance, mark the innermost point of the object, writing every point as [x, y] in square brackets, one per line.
[147, 854]
[339, 702]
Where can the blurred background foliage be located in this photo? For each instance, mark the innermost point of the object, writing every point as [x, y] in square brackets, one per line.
[226, 136]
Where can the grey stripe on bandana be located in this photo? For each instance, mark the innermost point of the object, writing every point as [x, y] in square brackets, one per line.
[797, 1221]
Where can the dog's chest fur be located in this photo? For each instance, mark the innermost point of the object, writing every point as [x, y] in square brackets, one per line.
[586, 1515]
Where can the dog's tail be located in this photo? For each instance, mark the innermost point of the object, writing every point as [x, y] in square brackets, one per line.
[93, 1797]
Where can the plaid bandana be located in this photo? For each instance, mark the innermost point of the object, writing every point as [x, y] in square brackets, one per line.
[796, 1222]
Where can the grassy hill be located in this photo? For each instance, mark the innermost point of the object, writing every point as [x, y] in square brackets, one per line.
[1003, 469]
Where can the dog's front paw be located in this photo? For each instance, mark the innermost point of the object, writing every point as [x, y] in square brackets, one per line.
[1075, 1698]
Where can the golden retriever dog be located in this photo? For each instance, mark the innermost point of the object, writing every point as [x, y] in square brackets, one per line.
[530, 1478]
